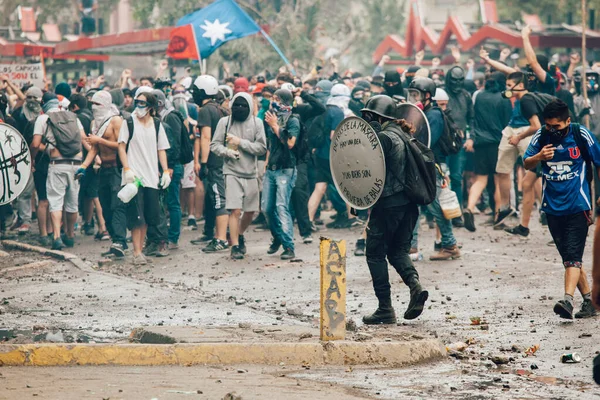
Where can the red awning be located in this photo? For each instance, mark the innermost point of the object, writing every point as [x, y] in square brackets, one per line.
[143, 42]
[8, 49]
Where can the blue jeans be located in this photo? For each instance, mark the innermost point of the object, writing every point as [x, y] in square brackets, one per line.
[445, 226]
[456, 165]
[174, 204]
[277, 190]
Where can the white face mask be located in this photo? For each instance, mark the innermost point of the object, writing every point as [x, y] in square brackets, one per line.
[141, 111]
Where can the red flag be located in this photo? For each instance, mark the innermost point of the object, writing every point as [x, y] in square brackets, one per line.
[183, 43]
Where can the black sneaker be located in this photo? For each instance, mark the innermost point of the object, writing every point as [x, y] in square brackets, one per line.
[274, 247]
[242, 244]
[58, 244]
[215, 246]
[359, 251]
[150, 249]
[543, 219]
[469, 220]
[458, 222]
[236, 253]
[518, 230]
[192, 222]
[587, 310]
[437, 246]
[88, 229]
[202, 239]
[502, 215]
[288, 254]
[117, 250]
[319, 222]
[69, 242]
[564, 309]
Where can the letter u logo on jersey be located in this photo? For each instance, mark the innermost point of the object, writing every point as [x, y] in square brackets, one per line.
[574, 153]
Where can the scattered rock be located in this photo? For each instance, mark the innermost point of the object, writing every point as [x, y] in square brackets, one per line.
[143, 336]
[361, 337]
[294, 312]
[244, 325]
[585, 335]
[351, 325]
[57, 337]
[240, 302]
[500, 360]
[306, 335]
[232, 396]
[105, 262]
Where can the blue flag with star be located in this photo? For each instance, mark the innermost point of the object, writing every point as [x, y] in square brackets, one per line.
[217, 24]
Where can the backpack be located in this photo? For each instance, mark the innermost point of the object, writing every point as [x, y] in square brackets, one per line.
[66, 133]
[315, 132]
[583, 148]
[452, 137]
[131, 130]
[301, 148]
[186, 149]
[420, 171]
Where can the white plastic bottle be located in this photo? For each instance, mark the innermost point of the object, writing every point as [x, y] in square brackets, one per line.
[129, 191]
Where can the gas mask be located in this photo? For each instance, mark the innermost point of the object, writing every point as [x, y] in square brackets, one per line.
[510, 93]
[558, 133]
[592, 82]
[373, 121]
[456, 80]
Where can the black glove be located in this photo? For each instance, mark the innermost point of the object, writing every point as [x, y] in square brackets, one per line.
[584, 112]
[353, 212]
[203, 172]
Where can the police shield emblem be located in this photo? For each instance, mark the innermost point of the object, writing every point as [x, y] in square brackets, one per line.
[15, 164]
[413, 115]
[357, 163]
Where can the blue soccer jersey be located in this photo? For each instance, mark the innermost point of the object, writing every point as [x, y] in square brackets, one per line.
[566, 190]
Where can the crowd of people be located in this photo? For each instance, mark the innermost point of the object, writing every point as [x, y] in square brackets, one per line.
[255, 150]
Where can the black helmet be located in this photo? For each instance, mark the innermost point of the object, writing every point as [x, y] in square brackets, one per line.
[423, 85]
[381, 105]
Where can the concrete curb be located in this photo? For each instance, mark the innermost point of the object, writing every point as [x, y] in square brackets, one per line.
[390, 354]
[60, 255]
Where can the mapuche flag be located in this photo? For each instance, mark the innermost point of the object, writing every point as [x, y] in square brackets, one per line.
[200, 33]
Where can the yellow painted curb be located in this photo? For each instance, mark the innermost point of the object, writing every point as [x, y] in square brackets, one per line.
[331, 353]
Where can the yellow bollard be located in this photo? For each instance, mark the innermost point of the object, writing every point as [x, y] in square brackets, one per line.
[333, 289]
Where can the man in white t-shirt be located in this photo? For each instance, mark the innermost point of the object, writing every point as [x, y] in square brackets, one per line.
[64, 149]
[140, 152]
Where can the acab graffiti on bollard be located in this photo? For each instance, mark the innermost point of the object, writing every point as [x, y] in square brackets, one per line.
[333, 289]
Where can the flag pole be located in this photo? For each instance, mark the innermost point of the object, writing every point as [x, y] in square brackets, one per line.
[586, 119]
[283, 57]
[201, 62]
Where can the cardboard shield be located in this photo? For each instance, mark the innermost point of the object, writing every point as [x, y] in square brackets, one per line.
[357, 163]
[415, 116]
[15, 164]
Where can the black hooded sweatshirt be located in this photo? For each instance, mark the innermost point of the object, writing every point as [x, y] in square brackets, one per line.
[460, 105]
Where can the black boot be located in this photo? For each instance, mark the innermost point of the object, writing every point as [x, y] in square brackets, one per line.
[418, 297]
[383, 315]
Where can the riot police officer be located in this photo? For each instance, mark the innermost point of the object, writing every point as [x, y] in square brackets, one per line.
[393, 218]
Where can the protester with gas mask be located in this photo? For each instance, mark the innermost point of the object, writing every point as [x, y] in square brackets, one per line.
[460, 109]
[540, 80]
[393, 86]
[240, 139]
[421, 92]
[142, 148]
[559, 145]
[392, 219]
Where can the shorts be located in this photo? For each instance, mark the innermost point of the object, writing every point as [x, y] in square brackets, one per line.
[322, 171]
[144, 208]
[242, 194]
[189, 176]
[89, 184]
[39, 179]
[569, 233]
[215, 188]
[62, 188]
[485, 159]
[507, 153]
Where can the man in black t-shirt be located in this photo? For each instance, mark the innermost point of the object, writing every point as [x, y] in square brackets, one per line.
[538, 65]
[208, 166]
[532, 106]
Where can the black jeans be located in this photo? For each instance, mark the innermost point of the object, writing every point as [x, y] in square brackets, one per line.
[158, 234]
[389, 234]
[113, 209]
[569, 233]
[300, 196]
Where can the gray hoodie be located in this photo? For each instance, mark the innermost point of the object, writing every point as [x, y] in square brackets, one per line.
[252, 142]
